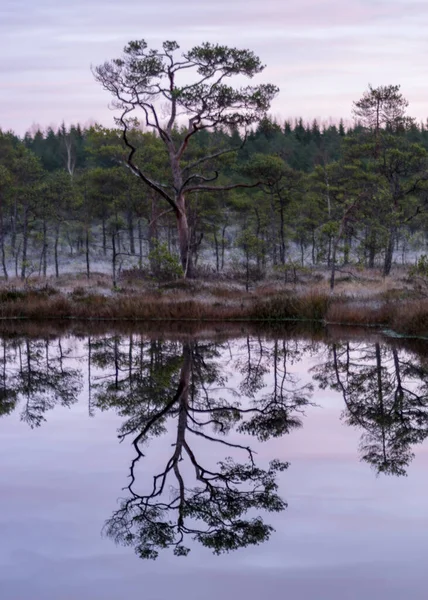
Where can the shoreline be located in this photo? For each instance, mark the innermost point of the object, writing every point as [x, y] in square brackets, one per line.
[374, 305]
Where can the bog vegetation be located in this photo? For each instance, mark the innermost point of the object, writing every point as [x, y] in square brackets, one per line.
[198, 180]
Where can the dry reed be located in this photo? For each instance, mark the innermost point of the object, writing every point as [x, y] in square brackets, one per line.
[397, 311]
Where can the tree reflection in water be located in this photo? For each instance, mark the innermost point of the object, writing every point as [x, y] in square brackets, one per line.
[385, 392]
[184, 386]
[34, 371]
[216, 398]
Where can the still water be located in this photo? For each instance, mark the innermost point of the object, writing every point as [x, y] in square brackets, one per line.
[199, 467]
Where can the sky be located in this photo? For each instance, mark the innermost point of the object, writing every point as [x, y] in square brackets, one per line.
[321, 54]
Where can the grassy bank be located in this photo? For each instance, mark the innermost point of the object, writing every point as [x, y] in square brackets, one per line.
[369, 302]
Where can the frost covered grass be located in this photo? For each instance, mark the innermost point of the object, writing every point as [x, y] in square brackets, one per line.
[364, 299]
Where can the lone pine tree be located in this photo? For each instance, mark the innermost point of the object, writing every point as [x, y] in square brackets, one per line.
[165, 88]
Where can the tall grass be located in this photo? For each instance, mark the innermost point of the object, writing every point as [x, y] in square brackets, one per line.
[315, 305]
[311, 306]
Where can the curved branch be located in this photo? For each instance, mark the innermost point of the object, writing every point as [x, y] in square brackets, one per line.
[211, 156]
[220, 441]
[222, 188]
[137, 171]
[200, 177]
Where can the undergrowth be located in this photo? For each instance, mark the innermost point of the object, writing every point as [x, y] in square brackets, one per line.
[398, 311]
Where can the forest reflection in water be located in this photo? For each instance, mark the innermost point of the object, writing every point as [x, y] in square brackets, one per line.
[232, 396]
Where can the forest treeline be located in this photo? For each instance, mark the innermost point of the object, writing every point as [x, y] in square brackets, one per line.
[308, 194]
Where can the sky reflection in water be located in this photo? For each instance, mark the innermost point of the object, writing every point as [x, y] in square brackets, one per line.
[348, 529]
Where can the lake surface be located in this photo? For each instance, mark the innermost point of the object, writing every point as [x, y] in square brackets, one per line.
[197, 467]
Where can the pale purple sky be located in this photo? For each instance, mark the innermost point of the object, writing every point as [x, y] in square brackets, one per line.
[322, 54]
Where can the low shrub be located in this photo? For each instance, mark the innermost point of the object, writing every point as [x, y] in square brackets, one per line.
[11, 295]
[164, 265]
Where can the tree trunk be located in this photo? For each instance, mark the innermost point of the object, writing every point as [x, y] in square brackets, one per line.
[140, 245]
[130, 219]
[88, 272]
[183, 230]
[334, 251]
[223, 245]
[17, 259]
[372, 249]
[282, 236]
[217, 255]
[347, 249]
[24, 244]
[389, 251]
[56, 250]
[168, 238]
[333, 265]
[153, 232]
[258, 229]
[113, 258]
[45, 249]
[14, 221]
[372, 255]
[3, 254]
[104, 236]
[131, 236]
[273, 231]
[247, 269]
[330, 238]
[313, 246]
